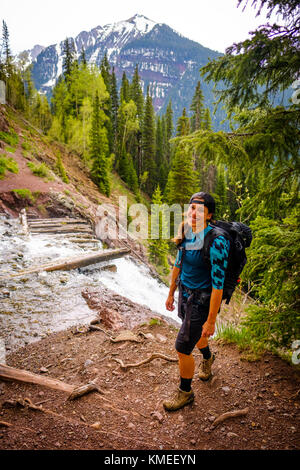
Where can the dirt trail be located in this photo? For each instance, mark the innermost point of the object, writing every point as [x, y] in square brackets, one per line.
[131, 415]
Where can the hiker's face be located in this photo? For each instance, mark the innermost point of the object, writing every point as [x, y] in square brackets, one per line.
[197, 215]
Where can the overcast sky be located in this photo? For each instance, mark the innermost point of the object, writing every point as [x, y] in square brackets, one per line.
[213, 23]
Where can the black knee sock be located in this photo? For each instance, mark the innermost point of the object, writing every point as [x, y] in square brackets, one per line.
[206, 352]
[185, 384]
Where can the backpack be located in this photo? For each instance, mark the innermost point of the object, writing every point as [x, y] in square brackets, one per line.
[240, 237]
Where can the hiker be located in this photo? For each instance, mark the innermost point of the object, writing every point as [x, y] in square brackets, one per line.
[200, 294]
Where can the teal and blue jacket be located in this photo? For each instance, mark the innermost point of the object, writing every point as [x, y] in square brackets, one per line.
[194, 271]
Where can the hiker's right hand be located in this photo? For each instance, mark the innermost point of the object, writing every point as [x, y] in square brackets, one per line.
[170, 303]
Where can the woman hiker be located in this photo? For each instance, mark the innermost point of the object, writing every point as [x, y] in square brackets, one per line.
[200, 294]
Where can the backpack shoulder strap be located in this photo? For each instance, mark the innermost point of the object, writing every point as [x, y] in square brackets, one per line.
[210, 237]
[183, 250]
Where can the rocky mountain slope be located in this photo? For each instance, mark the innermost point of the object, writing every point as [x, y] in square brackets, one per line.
[168, 62]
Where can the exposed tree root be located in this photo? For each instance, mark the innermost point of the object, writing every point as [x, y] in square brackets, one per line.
[145, 361]
[229, 414]
[83, 390]
[5, 424]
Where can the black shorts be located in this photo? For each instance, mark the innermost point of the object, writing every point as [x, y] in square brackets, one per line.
[198, 318]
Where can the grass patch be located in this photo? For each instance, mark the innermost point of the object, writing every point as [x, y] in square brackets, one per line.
[26, 145]
[60, 169]
[26, 155]
[9, 164]
[251, 349]
[40, 170]
[154, 321]
[10, 138]
[119, 188]
[10, 149]
[25, 194]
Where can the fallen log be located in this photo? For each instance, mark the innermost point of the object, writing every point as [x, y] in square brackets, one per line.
[73, 263]
[19, 375]
[75, 391]
[90, 259]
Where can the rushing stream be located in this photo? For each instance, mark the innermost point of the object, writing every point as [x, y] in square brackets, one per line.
[37, 304]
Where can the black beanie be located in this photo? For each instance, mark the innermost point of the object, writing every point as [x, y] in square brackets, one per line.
[209, 201]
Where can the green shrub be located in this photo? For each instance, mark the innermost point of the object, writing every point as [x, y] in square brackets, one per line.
[25, 194]
[26, 155]
[245, 341]
[39, 170]
[154, 321]
[273, 273]
[10, 149]
[10, 138]
[26, 145]
[9, 164]
[61, 169]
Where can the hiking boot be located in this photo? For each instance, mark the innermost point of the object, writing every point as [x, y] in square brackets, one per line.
[178, 400]
[205, 368]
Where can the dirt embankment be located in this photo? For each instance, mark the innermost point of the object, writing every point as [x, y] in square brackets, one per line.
[128, 413]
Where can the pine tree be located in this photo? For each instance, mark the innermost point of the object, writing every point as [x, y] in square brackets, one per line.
[182, 178]
[105, 72]
[99, 151]
[83, 60]
[169, 130]
[197, 107]
[183, 124]
[206, 122]
[148, 144]
[128, 126]
[136, 93]
[124, 90]
[114, 108]
[29, 86]
[7, 66]
[221, 192]
[68, 59]
[160, 158]
[132, 179]
[158, 247]
[6, 51]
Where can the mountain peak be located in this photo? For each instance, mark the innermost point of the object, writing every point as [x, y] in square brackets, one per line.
[142, 23]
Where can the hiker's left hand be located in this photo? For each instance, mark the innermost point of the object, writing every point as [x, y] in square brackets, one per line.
[208, 329]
